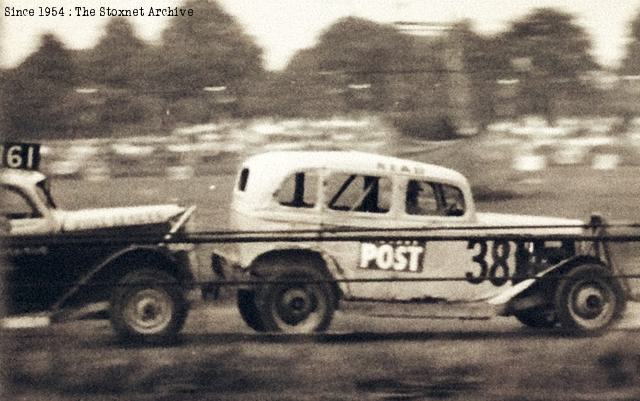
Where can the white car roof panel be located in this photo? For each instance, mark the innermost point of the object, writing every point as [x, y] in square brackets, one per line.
[283, 163]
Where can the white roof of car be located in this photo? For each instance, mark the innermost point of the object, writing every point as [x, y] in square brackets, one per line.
[268, 170]
[283, 163]
[19, 178]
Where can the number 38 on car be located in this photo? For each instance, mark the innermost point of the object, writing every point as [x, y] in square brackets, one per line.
[296, 286]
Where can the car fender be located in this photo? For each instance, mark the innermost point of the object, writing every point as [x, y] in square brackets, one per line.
[514, 298]
[160, 252]
[333, 269]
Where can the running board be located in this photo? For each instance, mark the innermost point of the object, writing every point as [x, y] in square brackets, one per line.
[46, 319]
[30, 321]
[68, 314]
[421, 310]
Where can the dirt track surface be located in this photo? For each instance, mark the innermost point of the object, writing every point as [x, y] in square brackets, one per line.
[218, 358]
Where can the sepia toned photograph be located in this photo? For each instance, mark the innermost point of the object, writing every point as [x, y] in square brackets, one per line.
[376, 200]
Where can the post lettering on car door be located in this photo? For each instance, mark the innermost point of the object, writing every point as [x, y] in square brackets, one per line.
[399, 256]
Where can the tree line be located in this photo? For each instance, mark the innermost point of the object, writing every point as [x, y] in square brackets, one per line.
[206, 66]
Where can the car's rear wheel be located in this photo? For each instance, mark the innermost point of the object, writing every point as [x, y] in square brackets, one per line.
[588, 300]
[148, 305]
[246, 301]
[295, 300]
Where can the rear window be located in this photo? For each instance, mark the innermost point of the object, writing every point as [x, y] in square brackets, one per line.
[242, 180]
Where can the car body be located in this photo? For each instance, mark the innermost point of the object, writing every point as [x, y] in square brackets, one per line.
[328, 191]
[61, 261]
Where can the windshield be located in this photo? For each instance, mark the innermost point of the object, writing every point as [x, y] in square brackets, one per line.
[43, 190]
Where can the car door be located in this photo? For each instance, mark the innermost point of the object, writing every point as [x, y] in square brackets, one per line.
[363, 200]
[416, 203]
[460, 270]
[27, 274]
[40, 271]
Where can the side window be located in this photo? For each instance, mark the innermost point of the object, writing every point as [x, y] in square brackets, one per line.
[421, 199]
[453, 200]
[14, 205]
[360, 193]
[298, 190]
[433, 199]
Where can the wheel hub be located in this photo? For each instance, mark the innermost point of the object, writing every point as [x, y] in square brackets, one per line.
[148, 311]
[295, 305]
[594, 302]
[298, 304]
[589, 302]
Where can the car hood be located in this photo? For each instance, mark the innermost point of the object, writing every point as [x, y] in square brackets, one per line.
[527, 224]
[93, 219]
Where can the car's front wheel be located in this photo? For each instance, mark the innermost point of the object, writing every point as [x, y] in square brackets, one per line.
[148, 305]
[295, 300]
[588, 299]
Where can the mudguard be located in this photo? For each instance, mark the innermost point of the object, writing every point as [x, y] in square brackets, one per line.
[505, 301]
[158, 251]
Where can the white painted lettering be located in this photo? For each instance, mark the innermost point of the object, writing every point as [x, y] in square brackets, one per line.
[414, 259]
[368, 253]
[385, 257]
[401, 259]
[398, 256]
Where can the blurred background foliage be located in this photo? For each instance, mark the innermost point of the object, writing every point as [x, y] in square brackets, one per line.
[429, 81]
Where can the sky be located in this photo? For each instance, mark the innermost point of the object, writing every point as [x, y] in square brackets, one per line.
[281, 27]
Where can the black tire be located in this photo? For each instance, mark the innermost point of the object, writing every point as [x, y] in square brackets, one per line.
[148, 305]
[246, 300]
[588, 300]
[297, 302]
[539, 318]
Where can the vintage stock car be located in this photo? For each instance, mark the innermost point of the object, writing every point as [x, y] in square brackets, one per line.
[61, 263]
[296, 286]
